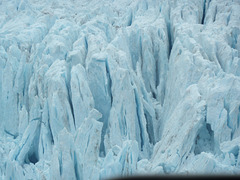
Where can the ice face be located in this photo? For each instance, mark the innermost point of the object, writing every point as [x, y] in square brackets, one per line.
[101, 89]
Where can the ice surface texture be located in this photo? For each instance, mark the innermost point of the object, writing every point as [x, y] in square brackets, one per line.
[98, 89]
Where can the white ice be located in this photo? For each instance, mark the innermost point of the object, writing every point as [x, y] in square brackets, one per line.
[94, 89]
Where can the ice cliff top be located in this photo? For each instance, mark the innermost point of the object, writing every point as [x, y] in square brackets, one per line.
[100, 89]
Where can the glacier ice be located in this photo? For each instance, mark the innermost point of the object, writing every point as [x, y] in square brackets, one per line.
[99, 89]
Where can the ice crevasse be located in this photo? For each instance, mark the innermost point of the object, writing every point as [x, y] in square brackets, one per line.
[96, 89]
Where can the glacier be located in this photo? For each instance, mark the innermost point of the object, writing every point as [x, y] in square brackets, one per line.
[96, 89]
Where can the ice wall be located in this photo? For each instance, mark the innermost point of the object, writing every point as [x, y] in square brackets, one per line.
[99, 89]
